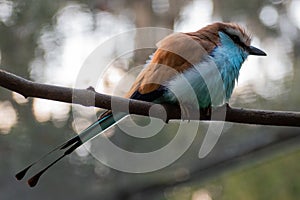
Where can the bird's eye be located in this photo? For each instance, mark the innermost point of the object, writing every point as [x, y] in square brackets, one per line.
[235, 38]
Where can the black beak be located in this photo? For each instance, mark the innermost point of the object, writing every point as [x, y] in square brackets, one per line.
[255, 51]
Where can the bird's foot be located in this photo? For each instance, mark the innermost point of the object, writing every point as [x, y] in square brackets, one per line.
[206, 112]
[227, 105]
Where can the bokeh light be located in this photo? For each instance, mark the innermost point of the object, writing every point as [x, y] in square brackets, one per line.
[294, 12]
[194, 15]
[8, 116]
[19, 98]
[45, 110]
[6, 10]
[269, 16]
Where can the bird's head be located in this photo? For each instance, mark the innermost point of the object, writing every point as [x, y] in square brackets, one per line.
[230, 33]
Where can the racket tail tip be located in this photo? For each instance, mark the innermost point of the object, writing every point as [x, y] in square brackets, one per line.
[21, 174]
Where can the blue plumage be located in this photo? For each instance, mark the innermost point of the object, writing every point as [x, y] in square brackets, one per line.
[210, 82]
[229, 58]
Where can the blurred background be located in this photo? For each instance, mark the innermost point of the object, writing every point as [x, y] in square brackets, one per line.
[48, 41]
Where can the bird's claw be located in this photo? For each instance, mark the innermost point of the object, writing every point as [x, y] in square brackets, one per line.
[206, 111]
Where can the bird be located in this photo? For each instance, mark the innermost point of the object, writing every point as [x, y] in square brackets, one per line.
[205, 62]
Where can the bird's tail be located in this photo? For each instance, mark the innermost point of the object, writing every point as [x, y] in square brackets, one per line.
[69, 146]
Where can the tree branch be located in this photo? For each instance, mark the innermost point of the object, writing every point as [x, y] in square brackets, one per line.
[88, 97]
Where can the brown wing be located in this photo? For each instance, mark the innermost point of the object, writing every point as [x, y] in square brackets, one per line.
[175, 54]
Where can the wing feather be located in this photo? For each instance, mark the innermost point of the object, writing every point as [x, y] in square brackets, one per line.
[175, 54]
